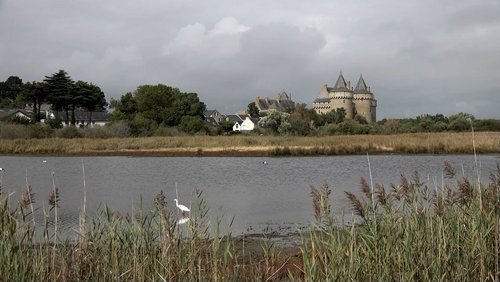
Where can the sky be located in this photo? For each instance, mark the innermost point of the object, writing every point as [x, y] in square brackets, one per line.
[418, 56]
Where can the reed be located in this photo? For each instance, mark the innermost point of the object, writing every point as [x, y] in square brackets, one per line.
[411, 233]
[485, 142]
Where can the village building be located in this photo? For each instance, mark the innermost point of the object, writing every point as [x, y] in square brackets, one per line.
[356, 101]
[282, 103]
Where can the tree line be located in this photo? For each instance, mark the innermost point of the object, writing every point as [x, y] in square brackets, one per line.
[58, 90]
[306, 122]
[161, 110]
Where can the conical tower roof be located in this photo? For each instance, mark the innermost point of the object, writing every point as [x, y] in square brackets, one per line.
[340, 85]
[361, 87]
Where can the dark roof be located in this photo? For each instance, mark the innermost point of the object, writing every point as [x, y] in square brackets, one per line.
[9, 112]
[340, 85]
[361, 87]
[211, 121]
[234, 118]
[208, 113]
[96, 116]
[271, 104]
[255, 120]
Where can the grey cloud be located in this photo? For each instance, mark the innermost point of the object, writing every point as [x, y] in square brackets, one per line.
[418, 56]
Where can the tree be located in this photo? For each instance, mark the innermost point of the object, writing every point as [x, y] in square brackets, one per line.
[157, 104]
[191, 124]
[60, 92]
[253, 111]
[332, 117]
[226, 126]
[34, 93]
[300, 119]
[89, 97]
[277, 122]
[167, 105]
[125, 108]
[10, 89]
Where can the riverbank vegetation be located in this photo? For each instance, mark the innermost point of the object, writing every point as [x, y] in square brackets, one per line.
[242, 145]
[161, 110]
[411, 231]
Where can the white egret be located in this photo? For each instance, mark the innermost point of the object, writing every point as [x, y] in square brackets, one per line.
[265, 162]
[183, 208]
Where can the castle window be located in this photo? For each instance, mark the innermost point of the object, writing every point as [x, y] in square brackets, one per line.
[344, 101]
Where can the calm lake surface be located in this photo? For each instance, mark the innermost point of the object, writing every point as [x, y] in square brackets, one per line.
[257, 195]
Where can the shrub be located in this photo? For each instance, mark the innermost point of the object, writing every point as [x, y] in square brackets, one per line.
[69, 132]
[39, 131]
[12, 131]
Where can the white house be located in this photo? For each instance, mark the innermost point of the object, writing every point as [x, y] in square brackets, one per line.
[247, 125]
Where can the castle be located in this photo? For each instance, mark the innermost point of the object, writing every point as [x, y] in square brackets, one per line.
[357, 101]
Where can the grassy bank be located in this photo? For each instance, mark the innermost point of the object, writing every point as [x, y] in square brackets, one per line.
[485, 142]
[410, 232]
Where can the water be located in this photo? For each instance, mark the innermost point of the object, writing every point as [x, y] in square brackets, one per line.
[257, 195]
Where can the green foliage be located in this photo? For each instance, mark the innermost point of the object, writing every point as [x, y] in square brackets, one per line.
[54, 122]
[60, 88]
[226, 126]
[253, 111]
[9, 90]
[332, 117]
[34, 93]
[151, 106]
[191, 124]
[487, 125]
[276, 122]
[460, 124]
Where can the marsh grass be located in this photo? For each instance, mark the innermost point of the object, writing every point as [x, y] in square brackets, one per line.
[409, 233]
[485, 142]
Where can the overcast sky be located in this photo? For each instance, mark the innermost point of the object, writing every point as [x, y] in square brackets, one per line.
[418, 56]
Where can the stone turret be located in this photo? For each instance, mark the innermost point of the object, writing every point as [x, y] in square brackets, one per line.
[363, 101]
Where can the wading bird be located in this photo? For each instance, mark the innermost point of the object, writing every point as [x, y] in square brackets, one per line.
[183, 208]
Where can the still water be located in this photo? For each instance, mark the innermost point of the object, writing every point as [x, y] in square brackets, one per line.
[257, 195]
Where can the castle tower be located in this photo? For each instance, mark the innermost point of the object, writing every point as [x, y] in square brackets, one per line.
[358, 101]
[364, 102]
[342, 96]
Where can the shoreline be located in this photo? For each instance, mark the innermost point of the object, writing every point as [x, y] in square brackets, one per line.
[259, 146]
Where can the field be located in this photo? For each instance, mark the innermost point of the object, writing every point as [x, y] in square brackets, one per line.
[247, 145]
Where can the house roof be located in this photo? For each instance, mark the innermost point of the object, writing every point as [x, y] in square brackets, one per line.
[9, 112]
[210, 121]
[234, 118]
[361, 87]
[96, 116]
[271, 104]
[208, 113]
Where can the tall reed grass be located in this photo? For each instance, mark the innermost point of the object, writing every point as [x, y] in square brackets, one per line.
[410, 232]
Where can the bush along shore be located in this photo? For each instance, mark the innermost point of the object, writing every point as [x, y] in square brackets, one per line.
[408, 232]
[426, 143]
